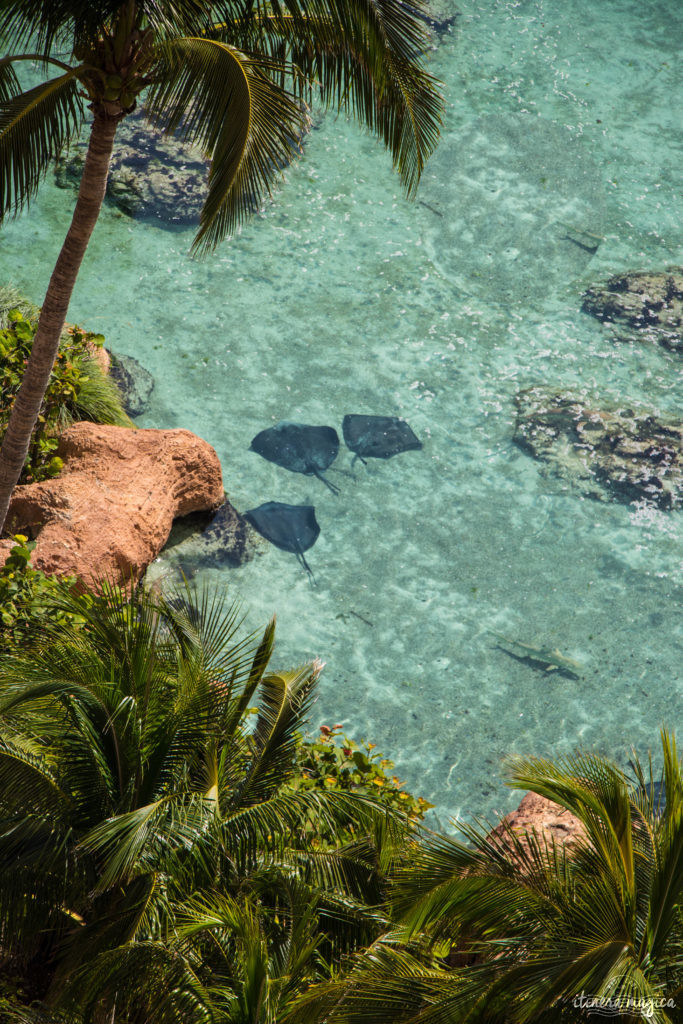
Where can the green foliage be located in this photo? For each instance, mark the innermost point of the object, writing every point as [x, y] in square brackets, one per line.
[332, 761]
[27, 598]
[78, 389]
[154, 853]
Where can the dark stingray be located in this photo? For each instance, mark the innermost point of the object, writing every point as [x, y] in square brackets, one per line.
[299, 448]
[289, 527]
[378, 437]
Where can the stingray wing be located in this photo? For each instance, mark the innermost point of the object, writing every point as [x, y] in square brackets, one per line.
[291, 528]
[378, 437]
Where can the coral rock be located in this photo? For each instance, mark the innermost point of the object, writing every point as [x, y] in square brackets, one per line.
[628, 454]
[645, 301]
[110, 511]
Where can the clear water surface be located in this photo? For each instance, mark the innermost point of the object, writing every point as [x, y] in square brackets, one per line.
[343, 297]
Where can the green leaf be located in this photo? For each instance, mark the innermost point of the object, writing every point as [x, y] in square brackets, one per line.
[34, 127]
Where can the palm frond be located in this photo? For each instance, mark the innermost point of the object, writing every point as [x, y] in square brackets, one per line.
[146, 982]
[25, 778]
[387, 984]
[230, 106]
[34, 127]
[9, 83]
[283, 701]
[145, 838]
[362, 57]
[286, 818]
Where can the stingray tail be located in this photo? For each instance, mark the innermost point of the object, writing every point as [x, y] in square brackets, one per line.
[304, 563]
[335, 490]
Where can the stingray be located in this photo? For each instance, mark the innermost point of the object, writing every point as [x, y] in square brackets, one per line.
[299, 448]
[378, 437]
[289, 527]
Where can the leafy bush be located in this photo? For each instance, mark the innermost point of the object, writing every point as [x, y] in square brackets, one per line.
[78, 389]
[26, 597]
[332, 761]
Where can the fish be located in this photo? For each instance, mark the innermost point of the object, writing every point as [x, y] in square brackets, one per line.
[289, 527]
[299, 448]
[552, 659]
[586, 240]
[378, 437]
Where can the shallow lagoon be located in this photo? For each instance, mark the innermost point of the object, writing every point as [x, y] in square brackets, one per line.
[342, 297]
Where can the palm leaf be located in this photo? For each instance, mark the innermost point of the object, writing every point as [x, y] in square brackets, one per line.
[144, 981]
[283, 702]
[9, 83]
[34, 127]
[145, 838]
[362, 57]
[27, 779]
[228, 105]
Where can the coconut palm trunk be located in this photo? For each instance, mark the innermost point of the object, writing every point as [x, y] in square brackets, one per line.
[53, 314]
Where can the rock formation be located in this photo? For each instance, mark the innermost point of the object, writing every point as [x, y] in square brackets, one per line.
[134, 382]
[627, 454]
[550, 821]
[440, 15]
[152, 176]
[646, 302]
[110, 511]
[223, 537]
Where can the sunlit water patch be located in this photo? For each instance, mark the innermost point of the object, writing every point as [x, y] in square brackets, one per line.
[344, 298]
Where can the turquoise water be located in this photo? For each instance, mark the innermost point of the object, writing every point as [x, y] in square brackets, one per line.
[343, 297]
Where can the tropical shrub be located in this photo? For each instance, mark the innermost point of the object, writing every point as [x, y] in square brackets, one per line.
[78, 389]
[27, 598]
[332, 761]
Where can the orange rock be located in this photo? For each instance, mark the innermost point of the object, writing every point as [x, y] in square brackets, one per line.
[110, 511]
[547, 819]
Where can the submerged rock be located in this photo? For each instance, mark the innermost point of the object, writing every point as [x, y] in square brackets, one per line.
[135, 383]
[152, 176]
[220, 537]
[650, 302]
[440, 15]
[609, 452]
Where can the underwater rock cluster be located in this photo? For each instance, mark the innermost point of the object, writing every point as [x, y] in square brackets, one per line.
[152, 176]
[625, 453]
[650, 302]
[223, 537]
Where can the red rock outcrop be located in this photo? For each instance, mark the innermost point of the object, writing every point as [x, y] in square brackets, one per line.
[547, 819]
[110, 511]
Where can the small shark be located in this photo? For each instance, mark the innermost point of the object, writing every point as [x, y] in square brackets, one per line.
[586, 240]
[552, 659]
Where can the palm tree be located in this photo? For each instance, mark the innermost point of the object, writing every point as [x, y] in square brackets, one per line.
[148, 816]
[526, 931]
[234, 77]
